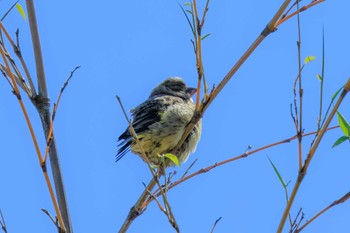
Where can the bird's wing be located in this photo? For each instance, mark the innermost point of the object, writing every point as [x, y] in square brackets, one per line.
[144, 115]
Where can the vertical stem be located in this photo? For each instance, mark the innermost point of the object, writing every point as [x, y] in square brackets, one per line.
[300, 130]
[311, 154]
[43, 106]
[37, 49]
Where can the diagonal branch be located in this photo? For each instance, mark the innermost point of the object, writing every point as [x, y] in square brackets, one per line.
[311, 154]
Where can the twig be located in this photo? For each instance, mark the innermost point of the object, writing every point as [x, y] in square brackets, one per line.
[188, 169]
[304, 8]
[322, 81]
[311, 154]
[295, 224]
[2, 222]
[51, 218]
[216, 222]
[337, 202]
[244, 155]
[32, 133]
[8, 11]
[300, 89]
[49, 136]
[18, 77]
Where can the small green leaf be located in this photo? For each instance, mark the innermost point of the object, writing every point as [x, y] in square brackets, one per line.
[21, 11]
[343, 124]
[205, 36]
[341, 140]
[187, 4]
[190, 12]
[319, 77]
[278, 174]
[173, 158]
[308, 59]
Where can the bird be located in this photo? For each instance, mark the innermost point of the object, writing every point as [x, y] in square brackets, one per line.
[160, 122]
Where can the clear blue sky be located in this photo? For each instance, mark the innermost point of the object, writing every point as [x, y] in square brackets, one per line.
[128, 47]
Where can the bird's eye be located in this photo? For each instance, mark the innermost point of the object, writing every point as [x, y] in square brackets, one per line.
[177, 87]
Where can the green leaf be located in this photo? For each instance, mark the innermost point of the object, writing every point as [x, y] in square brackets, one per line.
[173, 158]
[21, 11]
[188, 11]
[343, 124]
[308, 59]
[205, 36]
[341, 140]
[319, 77]
[278, 174]
[336, 94]
[187, 4]
[188, 19]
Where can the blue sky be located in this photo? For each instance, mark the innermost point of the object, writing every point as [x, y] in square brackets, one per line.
[125, 48]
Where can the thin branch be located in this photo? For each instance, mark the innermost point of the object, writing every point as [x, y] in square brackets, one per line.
[51, 218]
[244, 155]
[322, 82]
[32, 133]
[49, 136]
[2, 222]
[8, 11]
[304, 8]
[25, 68]
[188, 169]
[336, 202]
[298, 219]
[311, 154]
[300, 89]
[215, 223]
[20, 80]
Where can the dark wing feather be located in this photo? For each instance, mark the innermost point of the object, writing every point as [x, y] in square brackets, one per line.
[144, 115]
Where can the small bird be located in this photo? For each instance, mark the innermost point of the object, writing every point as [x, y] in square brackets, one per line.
[160, 122]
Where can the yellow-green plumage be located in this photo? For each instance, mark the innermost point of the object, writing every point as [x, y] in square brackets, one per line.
[160, 122]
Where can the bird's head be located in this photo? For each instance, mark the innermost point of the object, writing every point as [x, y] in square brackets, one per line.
[174, 86]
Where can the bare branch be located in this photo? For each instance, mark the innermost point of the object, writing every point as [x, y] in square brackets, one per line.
[336, 202]
[215, 223]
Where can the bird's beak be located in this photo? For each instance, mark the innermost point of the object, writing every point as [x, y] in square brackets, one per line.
[191, 91]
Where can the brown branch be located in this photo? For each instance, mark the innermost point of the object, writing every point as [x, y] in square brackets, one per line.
[304, 8]
[244, 155]
[311, 154]
[336, 202]
[42, 104]
[18, 77]
[49, 136]
[32, 133]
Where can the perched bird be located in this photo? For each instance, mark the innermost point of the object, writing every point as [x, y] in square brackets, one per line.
[160, 122]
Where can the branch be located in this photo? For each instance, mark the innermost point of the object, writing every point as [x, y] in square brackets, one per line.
[32, 133]
[39, 64]
[244, 155]
[2, 222]
[42, 103]
[337, 202]
[311, 154]
[49, 136]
